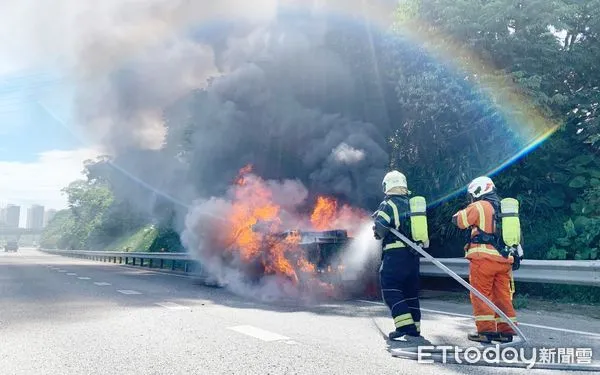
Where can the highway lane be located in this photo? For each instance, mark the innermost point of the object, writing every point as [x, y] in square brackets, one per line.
[62, 315]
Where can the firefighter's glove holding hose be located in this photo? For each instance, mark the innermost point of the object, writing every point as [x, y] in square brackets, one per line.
[375, 234]
[518, 257]
[516, 263]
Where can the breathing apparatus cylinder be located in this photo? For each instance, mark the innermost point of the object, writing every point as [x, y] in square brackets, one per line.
[511, 225]
[418, 220]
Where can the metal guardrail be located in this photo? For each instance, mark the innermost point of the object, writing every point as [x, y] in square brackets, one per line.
[169, 261]
[570, 272]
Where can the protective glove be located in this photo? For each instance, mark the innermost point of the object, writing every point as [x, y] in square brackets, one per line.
[517, 255]
[375, 233]
[516, 263]
[520, 251]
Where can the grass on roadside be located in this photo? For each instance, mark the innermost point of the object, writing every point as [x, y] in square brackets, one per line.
[139, 241]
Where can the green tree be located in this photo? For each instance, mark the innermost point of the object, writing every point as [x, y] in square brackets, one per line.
[95, 217]
[59, 232]
[549, 50]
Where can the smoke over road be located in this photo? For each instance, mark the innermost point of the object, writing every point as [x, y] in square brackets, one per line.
[182, 97]
[268, 108]
[183, 94]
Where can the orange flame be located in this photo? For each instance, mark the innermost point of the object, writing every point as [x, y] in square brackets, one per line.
[324, 213]
[306, 266]
[254, 231]
[244, 171]
[277, 261]
[254, 226]
[248, 212]
[327, 215]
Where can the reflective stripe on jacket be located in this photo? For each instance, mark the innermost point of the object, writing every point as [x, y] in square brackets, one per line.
[479, 214]
[393, 212]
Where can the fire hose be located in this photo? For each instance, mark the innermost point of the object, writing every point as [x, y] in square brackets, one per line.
[461, 281]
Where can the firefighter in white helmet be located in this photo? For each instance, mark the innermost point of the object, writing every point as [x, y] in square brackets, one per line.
[491, 261]
[399, 271]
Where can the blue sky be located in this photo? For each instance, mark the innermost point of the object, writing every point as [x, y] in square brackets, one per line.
[39, 154]
[32, 131]
[27, 129]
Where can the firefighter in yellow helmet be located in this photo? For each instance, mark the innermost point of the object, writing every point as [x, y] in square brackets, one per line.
[399, 270]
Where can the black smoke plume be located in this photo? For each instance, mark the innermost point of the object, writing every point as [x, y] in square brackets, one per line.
[288, 96]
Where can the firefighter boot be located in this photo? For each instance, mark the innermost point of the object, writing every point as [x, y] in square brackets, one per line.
[403, 336]
[504, 337]
[484, 337]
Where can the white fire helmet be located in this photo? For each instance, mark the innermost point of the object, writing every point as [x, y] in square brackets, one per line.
[393, 179]
[481, 186]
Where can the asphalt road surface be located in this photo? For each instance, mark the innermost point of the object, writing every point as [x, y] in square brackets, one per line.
[68, 316]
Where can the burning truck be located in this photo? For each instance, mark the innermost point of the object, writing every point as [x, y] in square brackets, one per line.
[258, 240]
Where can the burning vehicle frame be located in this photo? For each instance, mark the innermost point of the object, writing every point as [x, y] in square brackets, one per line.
[312, 254]
[321, 247]
[263, 240]
[316, 255]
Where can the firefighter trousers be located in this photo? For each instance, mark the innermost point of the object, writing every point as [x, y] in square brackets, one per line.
[400, 282]
[494, 280]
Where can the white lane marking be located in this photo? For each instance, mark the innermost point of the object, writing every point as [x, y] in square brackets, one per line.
[127, 291]
[172, 306]
[435, 311]
[102, 283]
[258, 333]
[83, 278]
[520, 324]
[154, 271]
[71, 274]
[561, 329]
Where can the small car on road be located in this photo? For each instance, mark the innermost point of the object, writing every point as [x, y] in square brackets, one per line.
[11, 246]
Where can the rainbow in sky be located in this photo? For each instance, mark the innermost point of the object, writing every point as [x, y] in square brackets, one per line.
[525, 124]
[524, 120]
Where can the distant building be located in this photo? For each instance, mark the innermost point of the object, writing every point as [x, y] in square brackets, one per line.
[12, 215]
[49, 215]
[35, 217]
